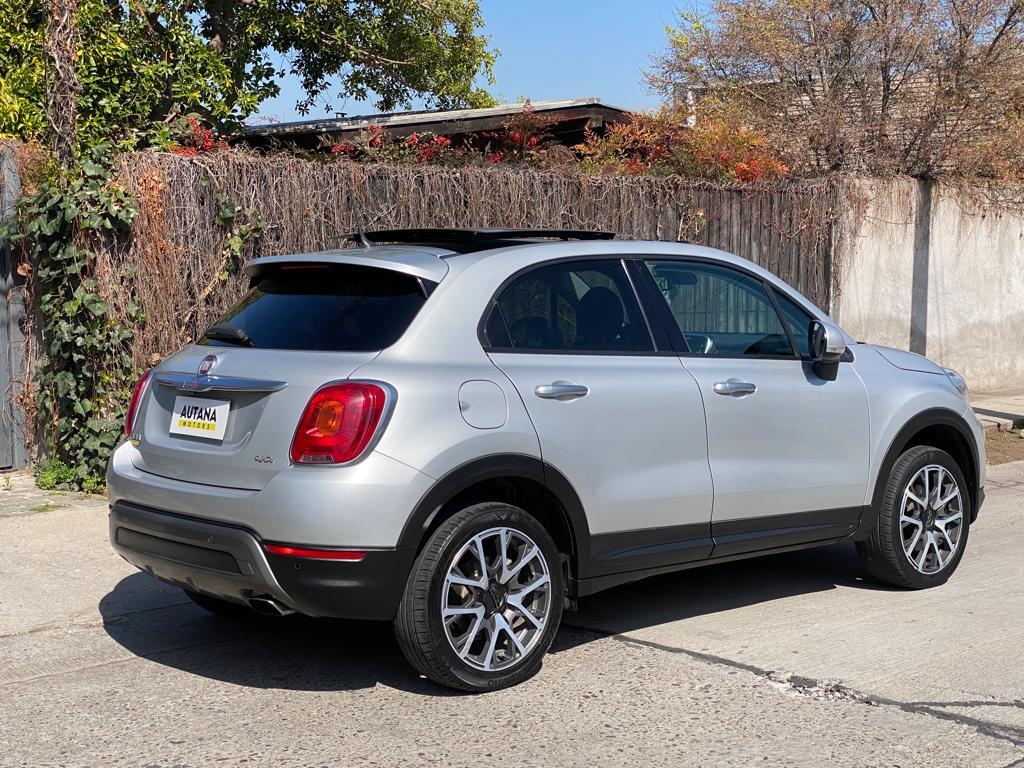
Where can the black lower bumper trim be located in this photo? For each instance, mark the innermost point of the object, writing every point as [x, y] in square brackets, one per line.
[368, 589]
[229, 562]
[186, 554]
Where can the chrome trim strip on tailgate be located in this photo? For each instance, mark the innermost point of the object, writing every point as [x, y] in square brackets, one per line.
[190, 382]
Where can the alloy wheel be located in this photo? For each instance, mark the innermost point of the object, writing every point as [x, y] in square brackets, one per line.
[931, 519]
[496, 599]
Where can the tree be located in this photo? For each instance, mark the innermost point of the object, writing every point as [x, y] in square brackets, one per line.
[910, 86]
[142, 63]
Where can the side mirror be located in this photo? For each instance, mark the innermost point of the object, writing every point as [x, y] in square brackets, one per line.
[827, 347]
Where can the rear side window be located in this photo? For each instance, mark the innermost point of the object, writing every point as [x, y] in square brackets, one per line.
[337, 308]
[577, 306]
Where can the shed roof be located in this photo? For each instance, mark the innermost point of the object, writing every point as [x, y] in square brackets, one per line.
[590, 110]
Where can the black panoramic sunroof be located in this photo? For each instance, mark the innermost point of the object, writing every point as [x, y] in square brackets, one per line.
[464, 240]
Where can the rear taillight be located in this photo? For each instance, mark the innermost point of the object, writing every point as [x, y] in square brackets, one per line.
[133, 405]
[338, 423]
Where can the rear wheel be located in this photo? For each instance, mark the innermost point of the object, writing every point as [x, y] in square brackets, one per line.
[923, 521]
[483, 601]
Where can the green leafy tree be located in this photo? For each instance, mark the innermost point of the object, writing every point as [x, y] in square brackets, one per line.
[22, 71]
[143, 63]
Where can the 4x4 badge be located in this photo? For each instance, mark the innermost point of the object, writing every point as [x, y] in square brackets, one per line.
[264, 459]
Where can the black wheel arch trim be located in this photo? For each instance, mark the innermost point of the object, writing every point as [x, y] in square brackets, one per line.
[494, 467]
[933, 417]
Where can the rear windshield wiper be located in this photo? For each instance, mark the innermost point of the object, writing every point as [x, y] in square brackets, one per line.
[230, 334]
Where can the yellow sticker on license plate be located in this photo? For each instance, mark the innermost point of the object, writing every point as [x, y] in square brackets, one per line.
[200, 417]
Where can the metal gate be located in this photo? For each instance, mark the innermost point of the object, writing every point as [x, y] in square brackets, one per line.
[12, 443]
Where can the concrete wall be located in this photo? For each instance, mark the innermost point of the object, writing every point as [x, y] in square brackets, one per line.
[938, 270]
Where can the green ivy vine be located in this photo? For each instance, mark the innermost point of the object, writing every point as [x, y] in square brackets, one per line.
[243, 225]
[85, 369]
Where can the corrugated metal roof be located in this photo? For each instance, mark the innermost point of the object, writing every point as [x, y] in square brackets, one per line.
[400, 120]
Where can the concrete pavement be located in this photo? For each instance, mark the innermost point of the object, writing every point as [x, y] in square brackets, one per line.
[788, 660]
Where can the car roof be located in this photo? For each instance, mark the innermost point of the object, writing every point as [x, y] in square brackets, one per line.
[432, 261]
[516, 257]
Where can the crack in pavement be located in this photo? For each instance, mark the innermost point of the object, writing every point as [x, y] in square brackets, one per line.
[98, 624]
[133, 656]
[1016, 703]
[89, 624]
[826, 691]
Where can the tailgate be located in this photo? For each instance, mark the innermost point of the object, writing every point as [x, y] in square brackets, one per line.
[224, 411]
[261, 393]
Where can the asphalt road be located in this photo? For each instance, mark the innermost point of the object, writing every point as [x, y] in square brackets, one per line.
[789, 660]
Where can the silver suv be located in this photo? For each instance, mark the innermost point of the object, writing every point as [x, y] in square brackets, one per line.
[464, 431]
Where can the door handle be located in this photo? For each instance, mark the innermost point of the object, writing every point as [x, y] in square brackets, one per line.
[561, 390]
[734, 388]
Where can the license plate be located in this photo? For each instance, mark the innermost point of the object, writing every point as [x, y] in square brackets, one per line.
[200, 417]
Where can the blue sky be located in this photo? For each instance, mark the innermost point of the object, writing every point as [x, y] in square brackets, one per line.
[553, 49]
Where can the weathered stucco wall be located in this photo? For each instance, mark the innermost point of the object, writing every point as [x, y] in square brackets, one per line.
[875, 244]
[936, 269]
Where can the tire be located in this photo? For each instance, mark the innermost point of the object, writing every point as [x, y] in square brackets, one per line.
[885, 553]
[224, 609]
[459, 653]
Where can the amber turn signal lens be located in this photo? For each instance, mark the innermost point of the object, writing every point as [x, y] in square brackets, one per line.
[328, 418]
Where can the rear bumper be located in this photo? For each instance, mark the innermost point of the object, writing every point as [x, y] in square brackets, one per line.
[229, 562]
[364, 505]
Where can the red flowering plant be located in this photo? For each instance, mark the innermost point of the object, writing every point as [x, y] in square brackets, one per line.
[643, 145]
[524, 137]
[375, 145]
[196, 139]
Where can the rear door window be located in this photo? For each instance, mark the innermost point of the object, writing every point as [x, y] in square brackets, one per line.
[575, 306]
[326, 307]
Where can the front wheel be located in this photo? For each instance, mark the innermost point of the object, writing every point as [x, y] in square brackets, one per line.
[923, 521]
[483, 601]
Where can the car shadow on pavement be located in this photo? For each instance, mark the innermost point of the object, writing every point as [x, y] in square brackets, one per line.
[157, 622]
[727, 586]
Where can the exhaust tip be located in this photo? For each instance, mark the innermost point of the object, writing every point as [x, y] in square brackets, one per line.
[269, 606]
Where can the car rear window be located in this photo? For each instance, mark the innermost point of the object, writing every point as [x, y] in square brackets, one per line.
[338, 308]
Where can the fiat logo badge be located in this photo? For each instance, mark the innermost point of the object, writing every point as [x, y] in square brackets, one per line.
[206, 364]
